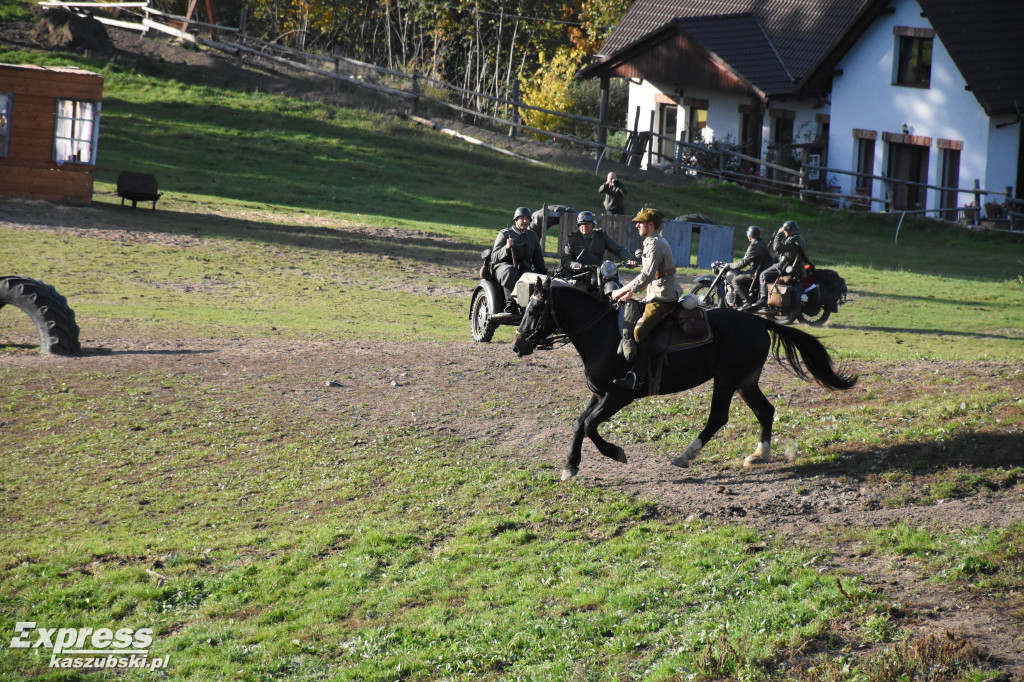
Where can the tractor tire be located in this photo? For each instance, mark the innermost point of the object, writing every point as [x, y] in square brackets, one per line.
[55, 320]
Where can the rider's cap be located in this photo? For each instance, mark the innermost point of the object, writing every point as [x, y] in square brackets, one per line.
[648, 215]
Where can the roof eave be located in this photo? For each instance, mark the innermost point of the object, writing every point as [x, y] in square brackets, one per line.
[657, 37]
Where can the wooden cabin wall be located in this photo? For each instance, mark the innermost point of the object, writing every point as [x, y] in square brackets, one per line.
[29, 170]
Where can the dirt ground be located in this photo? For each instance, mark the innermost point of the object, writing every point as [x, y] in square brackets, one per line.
[809, 504]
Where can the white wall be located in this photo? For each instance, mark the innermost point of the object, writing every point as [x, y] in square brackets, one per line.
[864, 97]
[723, 111]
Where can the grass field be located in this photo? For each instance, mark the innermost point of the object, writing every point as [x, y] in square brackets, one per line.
[262, 537]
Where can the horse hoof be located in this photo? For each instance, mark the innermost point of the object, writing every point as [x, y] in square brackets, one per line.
[620, 455]
[681, 461]
[755, 459]
[569, 472]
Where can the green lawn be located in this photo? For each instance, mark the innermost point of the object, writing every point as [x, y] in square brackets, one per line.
[262, 539]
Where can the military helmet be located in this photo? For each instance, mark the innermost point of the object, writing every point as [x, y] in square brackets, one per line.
[649, 215]
[584, 217]
[754, 231]
[791, 226]
[522, 211]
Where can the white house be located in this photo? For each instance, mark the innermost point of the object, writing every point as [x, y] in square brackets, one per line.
[924, 91]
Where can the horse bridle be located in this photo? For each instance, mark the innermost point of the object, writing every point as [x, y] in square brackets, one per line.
[549, 313]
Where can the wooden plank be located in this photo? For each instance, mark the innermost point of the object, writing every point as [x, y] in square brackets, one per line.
[52, 185]
[130, 25]
[679, 236]
[167, 29]
[71, 5]
[43, 83]
[715, 243]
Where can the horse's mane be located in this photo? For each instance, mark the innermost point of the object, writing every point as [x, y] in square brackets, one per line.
[577, 296]
[580, 309]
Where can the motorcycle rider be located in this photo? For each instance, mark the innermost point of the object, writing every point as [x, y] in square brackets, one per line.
[757, 258]
[516, 250]
[587, 245]
[790, 250]
[658, 274]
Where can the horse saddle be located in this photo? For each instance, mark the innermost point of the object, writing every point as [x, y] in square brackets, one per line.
[680, 330]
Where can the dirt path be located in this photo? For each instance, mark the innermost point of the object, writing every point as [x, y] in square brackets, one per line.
[403, 383]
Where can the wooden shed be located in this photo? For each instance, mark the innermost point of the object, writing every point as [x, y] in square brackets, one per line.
[49, 131]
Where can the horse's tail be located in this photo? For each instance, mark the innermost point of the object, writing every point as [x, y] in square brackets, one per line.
[804, 354]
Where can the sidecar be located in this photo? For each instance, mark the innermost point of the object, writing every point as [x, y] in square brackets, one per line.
[487, 306]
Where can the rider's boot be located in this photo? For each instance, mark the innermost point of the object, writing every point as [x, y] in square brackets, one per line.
[762, 299]
[510, 303]
[636, 378]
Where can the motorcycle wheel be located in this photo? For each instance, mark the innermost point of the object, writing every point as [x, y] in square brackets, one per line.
[706, 296]
[818, 319]
[481, 324]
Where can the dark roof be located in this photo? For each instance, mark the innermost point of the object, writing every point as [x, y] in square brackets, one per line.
[795, 34]
[742, 43]
[984, 39]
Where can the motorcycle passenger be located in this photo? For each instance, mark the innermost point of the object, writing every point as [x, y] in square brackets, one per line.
[587, 245]
[790, 251]
[658, 274]
[757, 258]
[516, 250]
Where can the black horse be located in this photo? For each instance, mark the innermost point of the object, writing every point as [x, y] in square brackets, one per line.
[733, 360]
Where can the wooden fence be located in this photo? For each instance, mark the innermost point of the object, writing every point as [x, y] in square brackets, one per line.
[714, 242]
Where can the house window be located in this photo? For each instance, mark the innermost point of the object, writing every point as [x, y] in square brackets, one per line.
[667, 124]
[950, 181]
[698, 121]
[750, 130]
[77, 131]
[865, 165]
[5, 121]
[913, 56]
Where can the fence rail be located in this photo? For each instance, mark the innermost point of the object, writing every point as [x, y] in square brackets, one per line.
[760, 173]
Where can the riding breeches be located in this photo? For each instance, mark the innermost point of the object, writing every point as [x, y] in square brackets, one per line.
[654, 312]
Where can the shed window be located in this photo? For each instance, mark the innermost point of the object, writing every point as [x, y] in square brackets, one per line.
[5, 121]
[77, 131]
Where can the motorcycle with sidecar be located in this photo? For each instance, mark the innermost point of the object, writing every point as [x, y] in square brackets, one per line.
[487, 305]
[810, 296]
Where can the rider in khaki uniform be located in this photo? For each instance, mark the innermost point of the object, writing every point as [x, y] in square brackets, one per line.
[658, 274]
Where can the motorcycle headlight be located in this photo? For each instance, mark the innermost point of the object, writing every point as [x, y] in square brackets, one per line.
[609, 269]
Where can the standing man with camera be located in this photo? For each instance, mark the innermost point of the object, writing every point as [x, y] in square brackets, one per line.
[614, 195]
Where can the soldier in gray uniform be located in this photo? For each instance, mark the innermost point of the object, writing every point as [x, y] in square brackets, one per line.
[587, 245]
[742, 273]
[516, 250]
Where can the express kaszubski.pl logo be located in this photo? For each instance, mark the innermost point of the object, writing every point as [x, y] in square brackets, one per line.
[89, 647]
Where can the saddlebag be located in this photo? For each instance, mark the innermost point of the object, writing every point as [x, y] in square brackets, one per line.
[780, 293]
